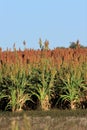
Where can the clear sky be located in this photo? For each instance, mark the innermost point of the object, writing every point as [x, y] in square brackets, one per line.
[59, 21]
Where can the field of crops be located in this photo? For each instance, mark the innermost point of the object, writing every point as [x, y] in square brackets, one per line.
[43, 79]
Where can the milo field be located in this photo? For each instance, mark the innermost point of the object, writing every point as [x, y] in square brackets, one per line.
[43, 89]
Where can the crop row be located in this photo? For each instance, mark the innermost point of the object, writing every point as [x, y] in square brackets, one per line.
[35, 79]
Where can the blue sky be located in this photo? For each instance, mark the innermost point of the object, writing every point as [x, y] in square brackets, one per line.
[59, 21]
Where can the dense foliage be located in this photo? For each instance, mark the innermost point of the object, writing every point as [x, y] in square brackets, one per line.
[43, 79]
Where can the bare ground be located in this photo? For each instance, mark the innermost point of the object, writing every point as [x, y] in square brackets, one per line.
[47, 122]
